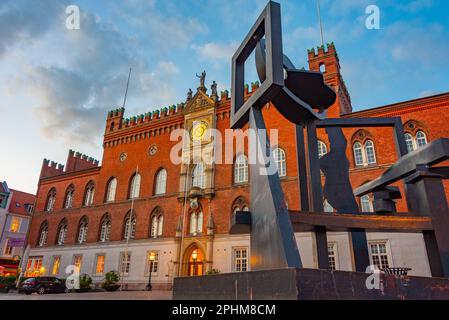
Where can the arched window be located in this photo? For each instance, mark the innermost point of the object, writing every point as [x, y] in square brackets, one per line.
[62, 233]
[358, 154]
[157, 223]
[161, 182]
[322, 149]
[134, 190]
[241, 169]
[364, 155]
[51, 199]
[111, 189]
[370, 153]
[421, 139]
[105, 228]
[196, 223]
[366, 204]
[130, 227]
[409, 142]
[89, 194]
[322, 68]
[43, 234]
[279, 159]
[68, 201]
[82, 230]
[245, 209]
[198, 176]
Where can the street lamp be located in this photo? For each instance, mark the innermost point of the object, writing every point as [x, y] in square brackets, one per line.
[194, 258]
[152, 258]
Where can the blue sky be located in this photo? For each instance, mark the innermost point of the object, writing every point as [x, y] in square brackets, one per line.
[57, 85]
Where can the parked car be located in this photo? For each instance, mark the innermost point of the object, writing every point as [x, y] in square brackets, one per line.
[42, 285]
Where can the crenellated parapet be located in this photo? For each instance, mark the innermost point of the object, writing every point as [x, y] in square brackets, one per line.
[321, 51]
[76, 161]
[51, 169]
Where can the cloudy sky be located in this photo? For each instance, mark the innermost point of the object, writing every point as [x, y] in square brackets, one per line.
[56, 85]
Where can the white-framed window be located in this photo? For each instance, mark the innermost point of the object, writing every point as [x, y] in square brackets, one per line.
[199, 176]
[196, 223]
[99, 264]
[279, 159]
[125, 262]
[364, 155]
[78, 261]
[130, 228]
[135, 186]
[56, 263]
[415, 142]
[322, 149]
[105, 229]
[51, 199]
[333, 256]
[111, 189]
[15, 224]
[155, 263]
[379, 254]
[89, 197]
[157, 225]
[43, 235]
[69, 198]
[241, 169]
[240, 263]
[82, 232]
[366, 205]
[34, 266]
[161, 182]
[8, 249]
[62, 233]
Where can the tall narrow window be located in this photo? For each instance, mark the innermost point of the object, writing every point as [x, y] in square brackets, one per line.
[240, 259]
[125, 262]
[322, 149]
[332, 250]
[196, 223]
[130, 227]
[421, 139]
[99, 266]
[409, 142]
[51, 199]
[89, 195]
[105, 229]
[8, 249]
[135, 187]
[56, 265]
[279, 159]
[198, 176]
[241, 169]
[82, 231]
[111, 189]
[358, 154]
[155, 262]
[68, 203]
[77, 262]
[160, 224]
[161, 182]
[379, 255]
[157, 222]
[370, 153]
[366, 204]
[43, 235]
[15, 224]
[62, 233]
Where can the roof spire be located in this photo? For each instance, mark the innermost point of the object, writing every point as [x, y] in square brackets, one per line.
[320, 21]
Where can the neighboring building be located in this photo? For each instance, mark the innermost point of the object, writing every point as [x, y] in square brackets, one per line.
[83, 214]
[16, 209]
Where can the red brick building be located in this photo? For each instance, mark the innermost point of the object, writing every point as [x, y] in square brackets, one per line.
[83, 212]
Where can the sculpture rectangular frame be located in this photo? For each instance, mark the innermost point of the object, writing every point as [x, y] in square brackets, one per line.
[269, 25]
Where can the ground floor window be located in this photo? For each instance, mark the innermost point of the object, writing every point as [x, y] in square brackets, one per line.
[77, 262]
[8, 249]
[125, 262]
[332, 250]
[56, 265]
[34, 267]
[99, 265]
[240, 259]
[379, 255]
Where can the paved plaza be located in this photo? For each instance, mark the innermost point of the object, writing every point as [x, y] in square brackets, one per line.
[118, 295]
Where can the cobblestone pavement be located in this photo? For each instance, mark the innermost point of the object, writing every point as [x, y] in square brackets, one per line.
[118, 295]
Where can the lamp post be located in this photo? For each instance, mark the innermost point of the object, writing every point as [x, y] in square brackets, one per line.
[194, 258]
[152, 258]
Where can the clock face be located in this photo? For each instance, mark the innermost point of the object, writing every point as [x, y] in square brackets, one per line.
[199, 130]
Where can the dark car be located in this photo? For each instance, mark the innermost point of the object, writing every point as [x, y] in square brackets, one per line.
[42, 285]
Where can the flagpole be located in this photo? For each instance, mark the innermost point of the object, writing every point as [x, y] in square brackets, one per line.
[320, 21]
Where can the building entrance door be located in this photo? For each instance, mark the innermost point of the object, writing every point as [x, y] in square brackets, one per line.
[196, 264]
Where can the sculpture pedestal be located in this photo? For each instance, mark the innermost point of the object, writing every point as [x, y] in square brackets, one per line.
[307, 284]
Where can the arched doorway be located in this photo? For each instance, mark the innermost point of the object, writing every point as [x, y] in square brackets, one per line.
[194, 261]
